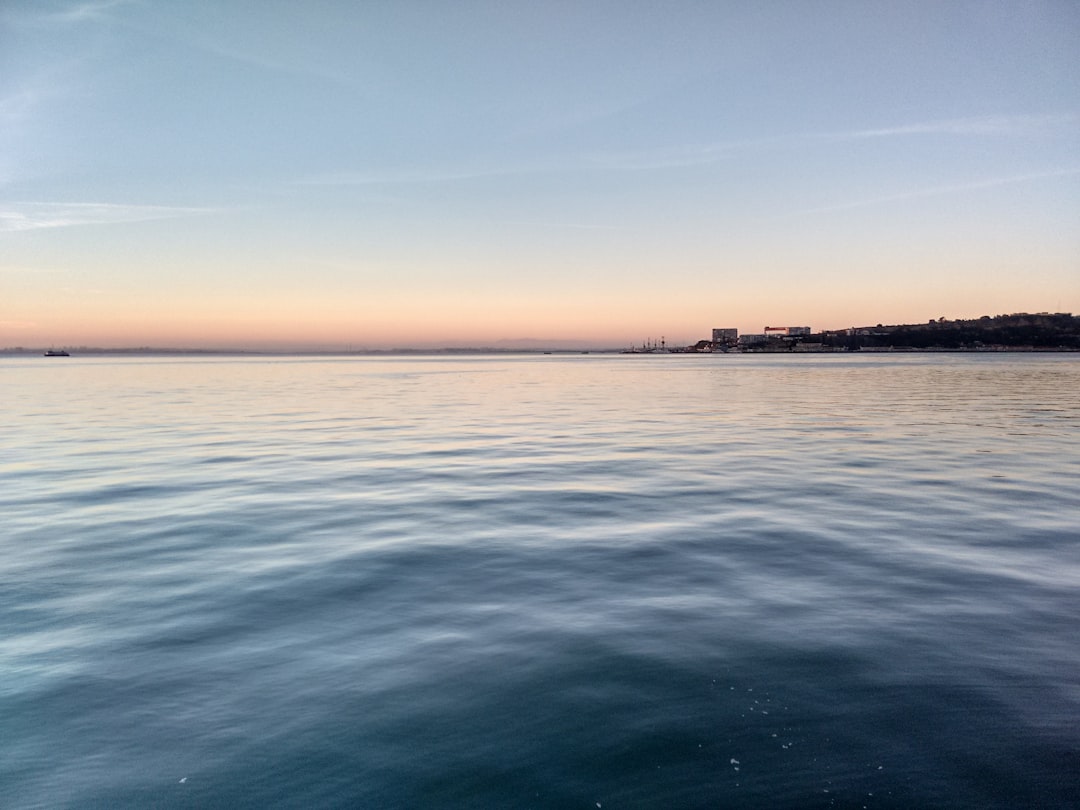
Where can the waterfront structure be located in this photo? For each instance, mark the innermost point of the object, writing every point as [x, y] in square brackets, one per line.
[725, 335]
[787, 331]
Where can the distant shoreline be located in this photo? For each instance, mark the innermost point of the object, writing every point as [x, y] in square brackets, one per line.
[466, 352]
[1017, 332]
[169, 352]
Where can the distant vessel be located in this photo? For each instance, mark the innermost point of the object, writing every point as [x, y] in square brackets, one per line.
[56, 353]
[650, 347]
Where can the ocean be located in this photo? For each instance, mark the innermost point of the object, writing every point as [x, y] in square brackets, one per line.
[580, 581]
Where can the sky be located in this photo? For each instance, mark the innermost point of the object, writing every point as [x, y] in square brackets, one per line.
[332, 175]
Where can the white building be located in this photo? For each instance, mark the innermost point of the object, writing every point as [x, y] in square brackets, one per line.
[787, 331]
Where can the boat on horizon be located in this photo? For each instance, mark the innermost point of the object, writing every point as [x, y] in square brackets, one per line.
[56, 353]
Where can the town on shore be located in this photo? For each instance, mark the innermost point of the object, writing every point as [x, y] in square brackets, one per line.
[1043, 331]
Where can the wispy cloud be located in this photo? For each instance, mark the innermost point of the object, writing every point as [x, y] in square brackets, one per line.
[677, 157]
[29, 216]
[690, 155]
[620, 160]
[88, 11]
[935, 191]
[412, 176]
[1004, 125]
[662, 158]
[419, 175]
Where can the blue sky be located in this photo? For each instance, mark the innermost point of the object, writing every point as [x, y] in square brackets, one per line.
[370, 174]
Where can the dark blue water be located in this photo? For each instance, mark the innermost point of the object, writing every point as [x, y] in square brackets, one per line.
[540, 582]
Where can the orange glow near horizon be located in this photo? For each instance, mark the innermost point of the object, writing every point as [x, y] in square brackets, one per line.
[428, 324]
[287, 306]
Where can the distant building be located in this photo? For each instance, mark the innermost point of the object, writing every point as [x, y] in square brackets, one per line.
[752, 340]
[786, 331]
[725, 336]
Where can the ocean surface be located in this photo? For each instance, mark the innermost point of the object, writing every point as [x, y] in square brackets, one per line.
[585, 581]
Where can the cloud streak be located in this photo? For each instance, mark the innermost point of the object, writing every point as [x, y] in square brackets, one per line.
[711, 153]
[30, 216]
[81, 12]
[1002, 125]
[707, 154]
[936, 191]
[402, 177]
